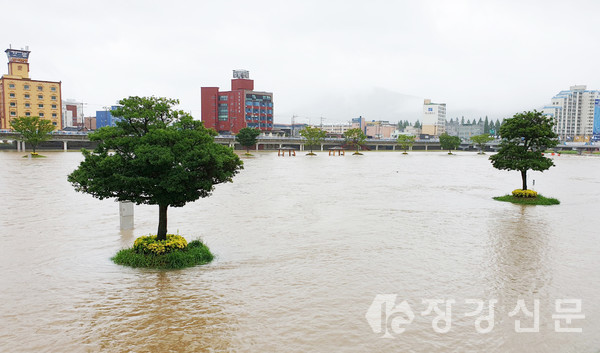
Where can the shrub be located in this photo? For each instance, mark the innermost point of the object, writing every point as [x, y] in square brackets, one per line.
[195, 253]
[149, 244]
[524, 193]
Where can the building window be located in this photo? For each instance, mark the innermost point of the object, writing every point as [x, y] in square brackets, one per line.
[11, 85]
[53, 106]
[27, 114]
[223, 98]
[13, 113]
[54, 123]
[27, 105]
[40, 88]
[53, 89]
[26, 86]
[26, 95]
[40, 106]
[54, 115]
[41, 115]
[40, 96]
[13, 104]
[53, 98]
[11, 95]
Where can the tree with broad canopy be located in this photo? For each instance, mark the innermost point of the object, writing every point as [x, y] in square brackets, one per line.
[525, 137]
[155, 155]
[33, 129]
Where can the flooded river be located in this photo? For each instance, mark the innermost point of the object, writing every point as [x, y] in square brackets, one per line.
[305, 248]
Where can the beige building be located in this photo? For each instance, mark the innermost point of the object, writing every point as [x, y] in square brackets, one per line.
[22, 96]
[380, 129]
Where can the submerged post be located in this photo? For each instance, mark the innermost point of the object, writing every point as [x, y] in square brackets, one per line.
[126, 214]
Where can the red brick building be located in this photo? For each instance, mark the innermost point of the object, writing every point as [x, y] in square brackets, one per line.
[228, 112]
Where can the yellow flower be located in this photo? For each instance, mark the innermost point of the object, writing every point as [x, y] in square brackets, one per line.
[524, 193]
[149, 244]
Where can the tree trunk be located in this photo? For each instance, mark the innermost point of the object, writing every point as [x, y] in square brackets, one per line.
[524, 178]
[162, 222]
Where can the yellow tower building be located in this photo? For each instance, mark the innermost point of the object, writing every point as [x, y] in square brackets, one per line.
[22, 96]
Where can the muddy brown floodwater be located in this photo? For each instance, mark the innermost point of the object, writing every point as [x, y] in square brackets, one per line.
[306, 247]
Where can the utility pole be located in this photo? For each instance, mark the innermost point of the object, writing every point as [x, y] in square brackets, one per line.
[322, 118]
[81, 127]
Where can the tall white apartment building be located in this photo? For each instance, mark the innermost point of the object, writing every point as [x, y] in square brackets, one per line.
[434, 118]
[574, 112]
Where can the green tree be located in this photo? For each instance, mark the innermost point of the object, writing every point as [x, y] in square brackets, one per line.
[355, 137]
[480, 141]
[525, 137]
[486, 126]
[417, 124]
[155, 155]
[406, 142]
[247, 137]
[32, 129]
[449, 142]
[313, 135]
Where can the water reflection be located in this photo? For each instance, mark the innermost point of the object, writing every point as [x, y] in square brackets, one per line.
[519, 251]
[158, 312]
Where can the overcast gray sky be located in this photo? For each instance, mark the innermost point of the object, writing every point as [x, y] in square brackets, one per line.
[330, 59]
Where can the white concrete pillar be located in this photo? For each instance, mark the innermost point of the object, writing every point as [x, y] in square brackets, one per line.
[126, 214]
[376, 147]
[18, 146]
[301, 147]
[23, 146]
[425, 147]
[393, 147]
[321, 147]
[65, 145]
[257, 146]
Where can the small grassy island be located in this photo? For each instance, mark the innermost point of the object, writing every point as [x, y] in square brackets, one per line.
[527, 197]
[173, 253]
[34, 155]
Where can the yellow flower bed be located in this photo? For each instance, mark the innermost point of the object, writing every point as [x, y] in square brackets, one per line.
[149, 245]
[524, 193]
